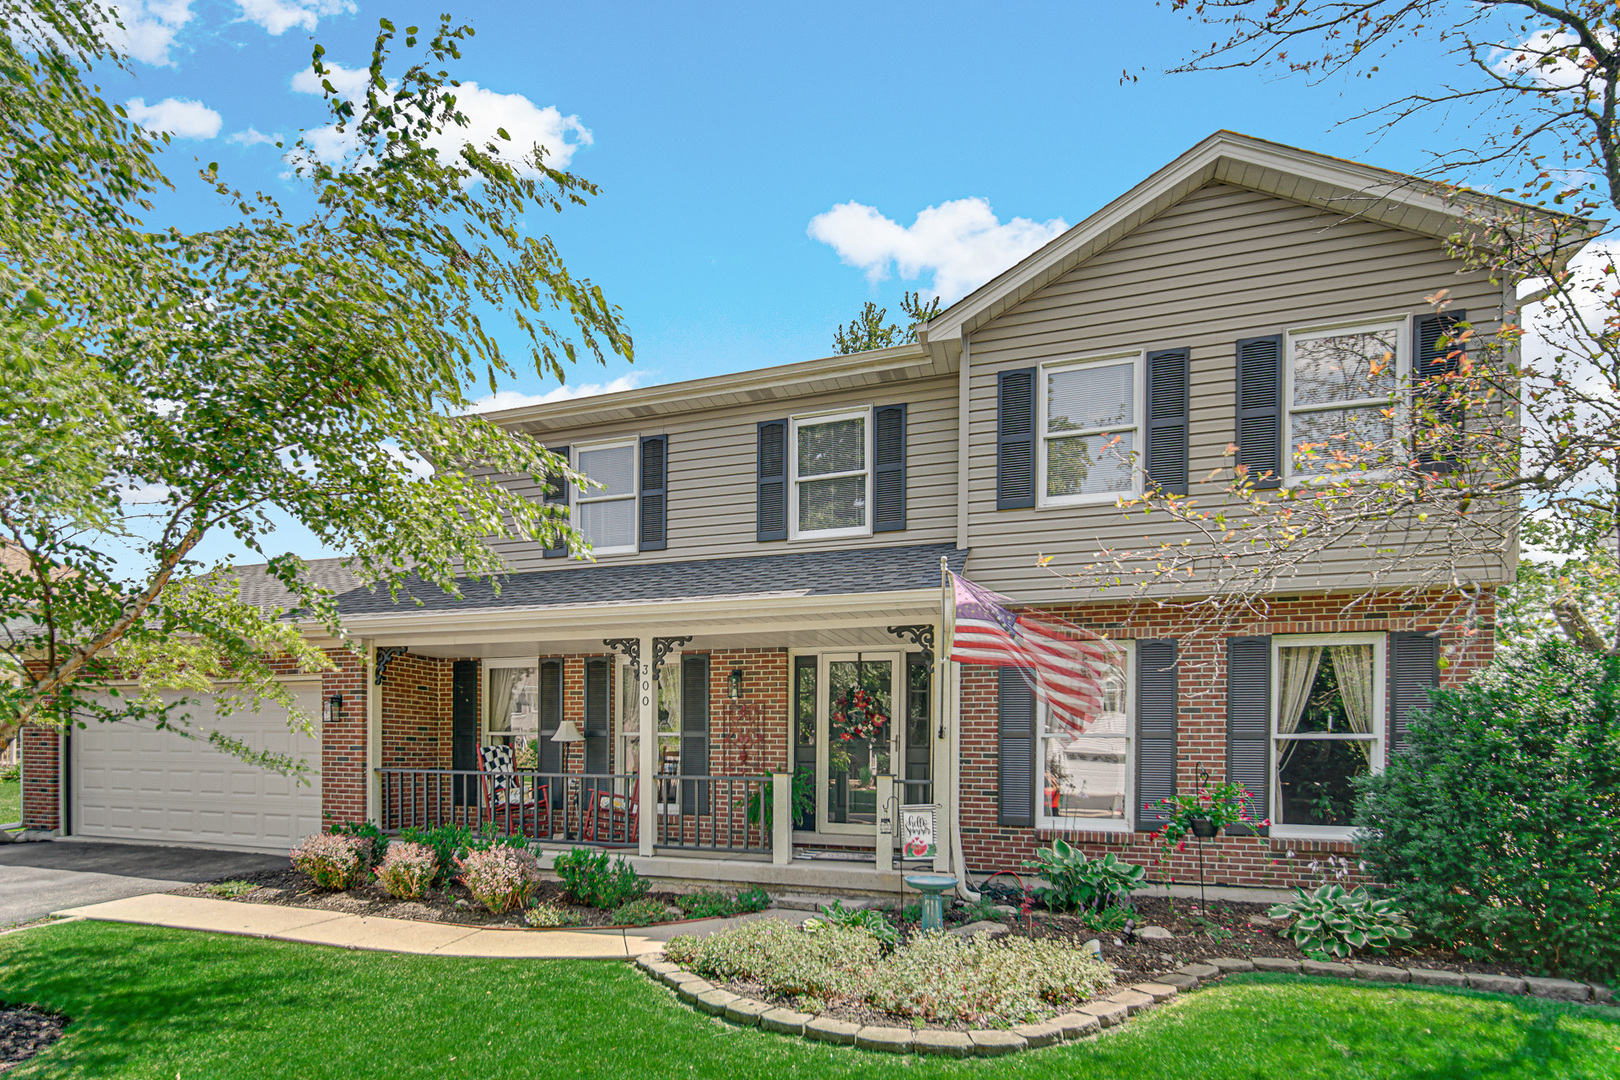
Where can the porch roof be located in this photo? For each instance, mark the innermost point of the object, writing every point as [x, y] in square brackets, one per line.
[825, 573]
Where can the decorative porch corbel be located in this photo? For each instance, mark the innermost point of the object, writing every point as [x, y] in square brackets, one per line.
[385, 656]
[630, 647]
[662, 647]
[922, 637]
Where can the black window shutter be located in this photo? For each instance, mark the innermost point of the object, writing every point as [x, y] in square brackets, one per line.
[695, 733]
[1248, 719]
[1015, 749]
[1260, 408]
[889, 468]
[1167, 441]
[557, 495]
[654, 493]
[1015, 439]
[551, 711]
[1414, 670]
[598, 684]
[1431, 362]
[1156, 688]
[771, 523]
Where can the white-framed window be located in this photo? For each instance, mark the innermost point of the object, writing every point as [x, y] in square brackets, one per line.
[606, 515]
[1086, 778]
[830, 470]
[1341, 385]
[512, 707]
[1090, 429]
[1327, 728]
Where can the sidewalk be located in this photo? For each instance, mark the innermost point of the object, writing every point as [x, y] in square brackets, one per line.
[311, 927]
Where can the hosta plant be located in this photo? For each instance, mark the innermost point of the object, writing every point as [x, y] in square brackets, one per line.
[1077, 883]
[1334, 921]
[407, 870]
[500, 878]
[331, 861]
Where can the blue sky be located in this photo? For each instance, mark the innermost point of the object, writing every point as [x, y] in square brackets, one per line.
[719, 133]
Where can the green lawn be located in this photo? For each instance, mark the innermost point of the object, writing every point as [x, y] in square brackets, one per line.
[10, 801]
[161, 1004]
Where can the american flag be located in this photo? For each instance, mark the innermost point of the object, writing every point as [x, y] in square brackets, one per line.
[1065, 663]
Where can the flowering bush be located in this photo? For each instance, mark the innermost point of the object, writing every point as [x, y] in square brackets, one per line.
[331, 861]
[407, 870]
[1223, 804]
[500, 878]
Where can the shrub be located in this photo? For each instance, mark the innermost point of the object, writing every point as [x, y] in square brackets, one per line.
[871, 920]
[1334, 921]
[643, 912]
[1494, 830]
[407, 870]
[828, 964]
[447, 842]
[1015, 980]
[1076, 883]
[588, 877]
[374, 839]
[550, 915]
[230, 890]
[331, 861]
[12, 773]
[501, 878]
[489, 837]
[714, 904]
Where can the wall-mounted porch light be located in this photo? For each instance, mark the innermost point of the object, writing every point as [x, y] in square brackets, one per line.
[734, 684]
[332, 708]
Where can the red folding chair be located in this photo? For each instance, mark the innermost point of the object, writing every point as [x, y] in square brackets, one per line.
[505, 800]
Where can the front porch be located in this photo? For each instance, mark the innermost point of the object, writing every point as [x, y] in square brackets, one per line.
[771, 740]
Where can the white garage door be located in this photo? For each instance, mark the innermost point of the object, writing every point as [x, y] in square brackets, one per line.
[131, 782]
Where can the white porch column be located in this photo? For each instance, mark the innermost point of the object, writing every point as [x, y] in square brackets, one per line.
[373, 732]
[781, 818]
[647, 768]
[887, 822]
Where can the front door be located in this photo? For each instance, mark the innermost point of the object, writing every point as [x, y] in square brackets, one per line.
[860, 737]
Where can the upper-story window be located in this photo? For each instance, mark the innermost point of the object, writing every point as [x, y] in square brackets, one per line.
[606, 515]
[1091, 430]
[1342, 387]
[831, 488]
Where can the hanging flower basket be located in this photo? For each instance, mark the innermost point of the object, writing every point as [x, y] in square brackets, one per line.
[1205, 828]
[856, 715]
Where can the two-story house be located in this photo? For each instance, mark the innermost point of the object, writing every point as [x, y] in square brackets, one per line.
[765, 598]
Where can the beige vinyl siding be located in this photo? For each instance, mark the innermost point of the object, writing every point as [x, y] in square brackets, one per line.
[1222, 264]
[712, 471]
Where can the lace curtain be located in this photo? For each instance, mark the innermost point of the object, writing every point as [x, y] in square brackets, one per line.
[1354, 665]
[503, 684]
[1296, 673]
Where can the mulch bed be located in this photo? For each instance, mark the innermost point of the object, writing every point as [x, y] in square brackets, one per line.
[451, 904]
[25, 1032]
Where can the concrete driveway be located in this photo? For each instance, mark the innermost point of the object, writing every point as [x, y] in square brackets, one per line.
[37, 879]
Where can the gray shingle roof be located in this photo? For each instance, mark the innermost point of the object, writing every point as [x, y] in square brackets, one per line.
[267, 594]
[798, 573]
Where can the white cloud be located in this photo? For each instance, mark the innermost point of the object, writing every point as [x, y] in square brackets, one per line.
[961, 242]
[512, 399]
[1544, 57]
[252, 137]
[149, 28]
[279, 16]
[180, 117]
[486, 110]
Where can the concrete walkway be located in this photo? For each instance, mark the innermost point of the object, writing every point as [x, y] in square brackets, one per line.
[312, 927]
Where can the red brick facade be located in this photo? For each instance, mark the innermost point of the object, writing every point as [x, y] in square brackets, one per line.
[1200, 743]
[416, 713]
[41, 777]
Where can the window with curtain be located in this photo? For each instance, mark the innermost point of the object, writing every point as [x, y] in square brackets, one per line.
[514, 711]
[1342, 393]
[1085, 773]
[1329, 723]
[606, 515]
[832, 479]
[1090, 431]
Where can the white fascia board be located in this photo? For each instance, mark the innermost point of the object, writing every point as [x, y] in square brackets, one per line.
[664, 613]
[806, 376]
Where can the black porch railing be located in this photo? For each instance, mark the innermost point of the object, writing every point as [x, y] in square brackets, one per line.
[714, 813]
[577, 808]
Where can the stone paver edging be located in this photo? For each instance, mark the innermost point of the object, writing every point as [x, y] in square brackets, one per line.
[1086, 1022]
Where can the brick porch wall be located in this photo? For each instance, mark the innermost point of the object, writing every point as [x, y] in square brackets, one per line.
[416, 713]
[343, 741]
[41, 777]
[748, 737]
[1200, 744]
